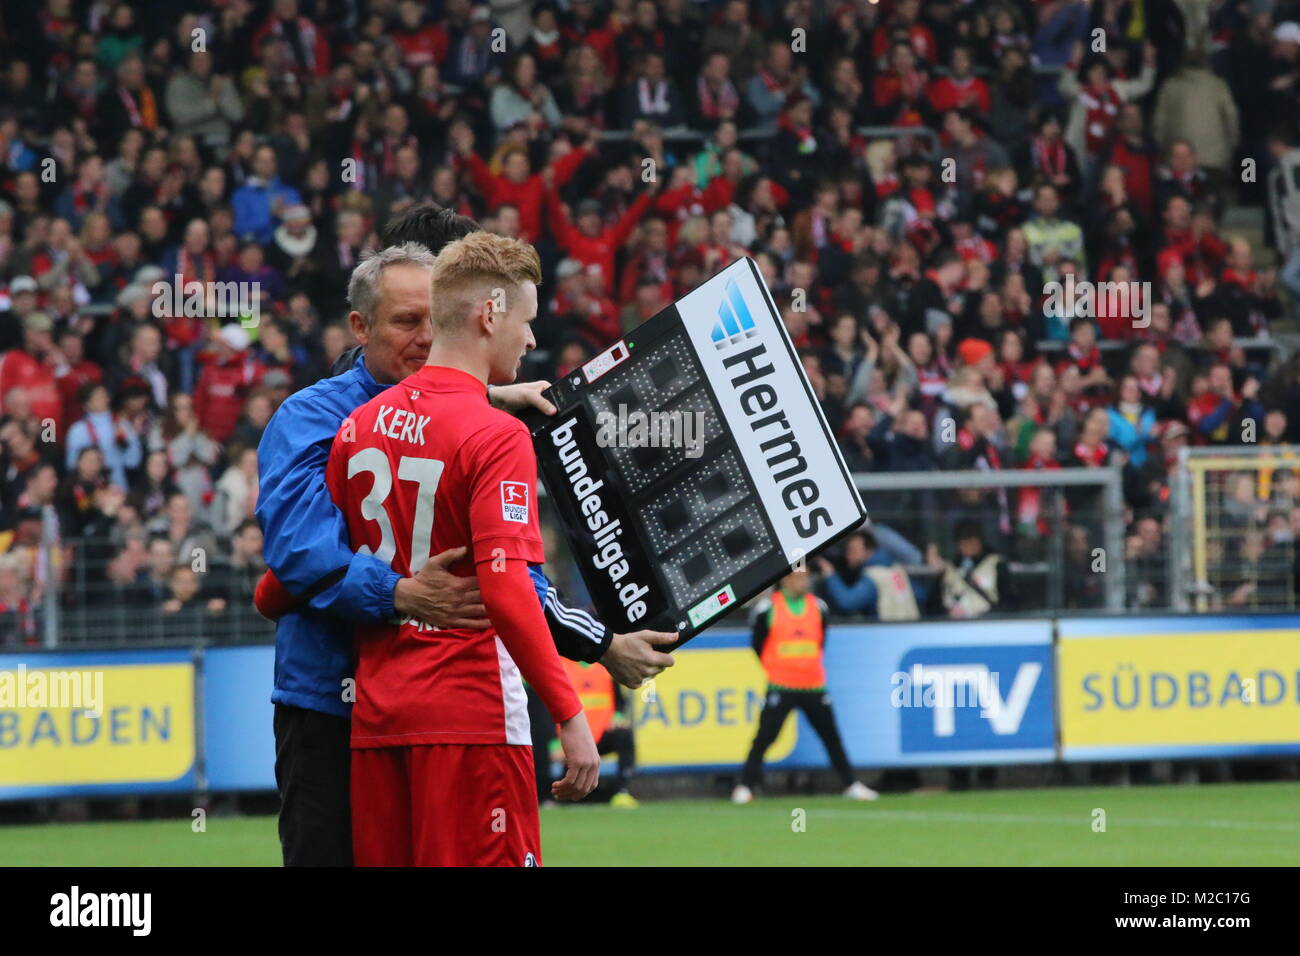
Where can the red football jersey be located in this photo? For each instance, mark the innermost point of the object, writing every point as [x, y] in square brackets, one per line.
[425, 466]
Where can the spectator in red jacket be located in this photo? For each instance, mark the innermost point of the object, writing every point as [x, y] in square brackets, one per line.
[969, 244]
[516, 184]
[960, 89]
[650, 263]
[580, 302]
[1031, 517]
[1192, 236]
[73, 372]
[1083, 357]
[29, 368]
[421, 43]
[228, 374]
[718, 249]
[1091, 450]
[905, 22]
[680, 200]
[1136, 155]
[588, 27]
[722, 189]
[649, 299]
[590, 241]
[898, 92]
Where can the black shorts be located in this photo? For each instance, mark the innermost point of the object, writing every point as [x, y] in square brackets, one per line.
[312, 771]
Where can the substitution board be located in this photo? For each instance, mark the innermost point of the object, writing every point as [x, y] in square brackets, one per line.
[690, 463]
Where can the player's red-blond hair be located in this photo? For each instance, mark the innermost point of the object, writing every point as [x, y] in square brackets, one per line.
[478, 267]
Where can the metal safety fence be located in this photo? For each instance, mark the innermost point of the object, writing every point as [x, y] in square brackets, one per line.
[1235, 517]
[1062, 541]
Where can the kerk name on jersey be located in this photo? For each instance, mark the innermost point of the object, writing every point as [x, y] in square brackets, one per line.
[403, 425]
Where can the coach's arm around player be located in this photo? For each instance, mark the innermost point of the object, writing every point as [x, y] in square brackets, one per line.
[359, 587]
[311, 567]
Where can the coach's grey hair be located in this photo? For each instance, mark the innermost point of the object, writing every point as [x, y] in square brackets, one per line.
[363, 287]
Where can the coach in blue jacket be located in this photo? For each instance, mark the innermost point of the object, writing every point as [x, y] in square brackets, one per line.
[332, 589]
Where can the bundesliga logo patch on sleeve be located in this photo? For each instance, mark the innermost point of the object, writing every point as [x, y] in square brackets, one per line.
[514, 501]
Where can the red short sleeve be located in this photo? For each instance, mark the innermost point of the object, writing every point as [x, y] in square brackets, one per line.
[501, 471]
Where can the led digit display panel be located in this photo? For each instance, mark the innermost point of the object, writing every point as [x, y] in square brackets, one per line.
[690, 463]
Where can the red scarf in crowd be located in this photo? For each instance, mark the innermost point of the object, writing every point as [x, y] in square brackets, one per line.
[1029, 506]
[976, 247]
[715, 103]
[140, 107]
[1049, 158]
[1243, 280]
[195, 269]
[1093, 456]
[1102, 108]
[89, 200]
[804, 134]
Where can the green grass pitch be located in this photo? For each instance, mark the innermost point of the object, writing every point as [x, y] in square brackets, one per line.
[1223, 825]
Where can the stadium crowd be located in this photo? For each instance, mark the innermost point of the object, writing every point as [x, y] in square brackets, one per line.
[911, 178]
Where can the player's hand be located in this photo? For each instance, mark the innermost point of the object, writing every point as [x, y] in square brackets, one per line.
[438, 597]
[516, 398]
[631, 659]
[933, 558]
[581, 760]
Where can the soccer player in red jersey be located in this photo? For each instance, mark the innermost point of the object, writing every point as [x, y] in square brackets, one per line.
[442, 767]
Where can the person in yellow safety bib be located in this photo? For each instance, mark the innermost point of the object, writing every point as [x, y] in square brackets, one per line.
[790, 640]
[602, 701]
